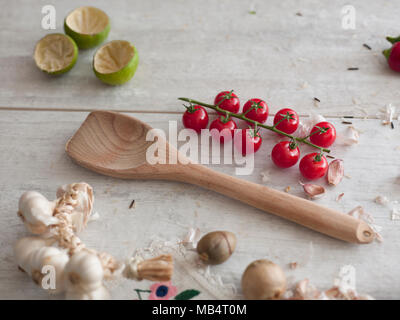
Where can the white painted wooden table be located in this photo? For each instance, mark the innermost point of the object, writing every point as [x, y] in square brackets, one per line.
[196, 49]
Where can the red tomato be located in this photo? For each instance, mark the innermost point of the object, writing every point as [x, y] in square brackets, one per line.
[247, 141]
[225, 129]
[287, 125]
[285, 154]
[324, 138]
[394, 57]
[231, 104]
[196, 118]
[313, 166]
[258, 112]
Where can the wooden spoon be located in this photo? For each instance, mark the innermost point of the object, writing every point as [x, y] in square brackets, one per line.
[115, 145]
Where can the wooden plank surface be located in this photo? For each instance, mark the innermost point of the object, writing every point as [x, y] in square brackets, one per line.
[196, 49]
[33, 158]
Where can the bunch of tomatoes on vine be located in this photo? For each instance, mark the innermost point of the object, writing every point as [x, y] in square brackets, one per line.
[255, 112]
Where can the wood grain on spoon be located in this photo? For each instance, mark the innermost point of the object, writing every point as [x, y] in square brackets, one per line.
[115, 145]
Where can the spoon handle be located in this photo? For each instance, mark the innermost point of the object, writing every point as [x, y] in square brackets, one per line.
[299, 210]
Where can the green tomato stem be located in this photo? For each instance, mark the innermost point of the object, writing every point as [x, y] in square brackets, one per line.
[256, 123]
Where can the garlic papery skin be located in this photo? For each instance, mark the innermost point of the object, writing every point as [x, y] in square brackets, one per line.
[47, 268]
[36, 212]
[77, 200]
[335, 172]
[100, 293]
[313, 191]
[24, 247]
[84, 272]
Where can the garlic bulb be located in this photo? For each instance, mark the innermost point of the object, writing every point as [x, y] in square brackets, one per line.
[84, 272]
[77, 200]
[47, 268]
[100, 293]
[36, 212]
[24, 247]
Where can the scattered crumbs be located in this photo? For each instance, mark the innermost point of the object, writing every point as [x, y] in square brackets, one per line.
[355, 100]
[395, 216]
[367, 46]
[132, 205]
[287, 189]
[347, 176]
[347, 122]
[293, 265]
[252, 12]
[299, 14]
[304, 85]
[316, 102]
[265, 176]
[339, 197]
[302, 59]
[363, 111]
[352, 68]
[198, 204]
[329, 156]
[381, 200]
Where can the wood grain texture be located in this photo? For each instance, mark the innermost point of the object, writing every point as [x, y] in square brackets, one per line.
[33, 158]
[116, 145]
[194, 49]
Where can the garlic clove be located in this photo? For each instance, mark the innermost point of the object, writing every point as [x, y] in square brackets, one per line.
[24, 247]
[47, 268]
[36, 212]
[100, 293]
[313, 191]
[349, 137]
[335, 172]
[84, 272]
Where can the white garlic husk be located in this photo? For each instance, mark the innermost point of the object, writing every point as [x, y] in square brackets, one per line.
[24, 247]
[47, 268]
[36, 212]
[78, 199]
[84, 272]
[100, 293]
[335, 172]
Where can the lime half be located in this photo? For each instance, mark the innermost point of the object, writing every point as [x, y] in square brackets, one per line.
[88, 26]
[55, 53]
[115, 62]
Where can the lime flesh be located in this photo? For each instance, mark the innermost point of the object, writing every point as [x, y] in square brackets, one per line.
[55, 53]
[88, 26]
[115, 62]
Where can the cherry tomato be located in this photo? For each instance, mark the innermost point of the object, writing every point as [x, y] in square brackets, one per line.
[313, 166]
[225, 129]
[287, 125]
[227, 100]
[258, 112]
[393, 56]
[323, 134]
[247, 141]
[285, 154]
[196, 118]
